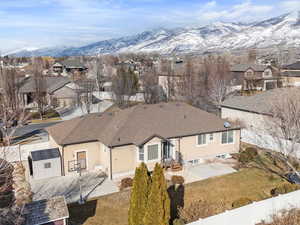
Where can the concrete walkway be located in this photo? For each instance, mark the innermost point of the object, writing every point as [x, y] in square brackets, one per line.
[94, 184]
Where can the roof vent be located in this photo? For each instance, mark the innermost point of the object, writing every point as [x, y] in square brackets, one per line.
[177, 104]
[227, 124]
[119, 139]
[145, 107]
[110, 114]
[161, 106]
[184, 116]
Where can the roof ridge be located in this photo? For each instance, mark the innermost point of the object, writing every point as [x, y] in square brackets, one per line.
[132, 109]
[74, 128]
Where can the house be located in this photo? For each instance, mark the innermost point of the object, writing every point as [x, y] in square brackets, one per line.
[68, 65]
[251, 111]
[118, 142]
[58, 90]
[291, 74]
[256, 77]
[53, 211]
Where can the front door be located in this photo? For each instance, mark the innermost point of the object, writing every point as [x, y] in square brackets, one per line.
[81, 158]
[167, 150]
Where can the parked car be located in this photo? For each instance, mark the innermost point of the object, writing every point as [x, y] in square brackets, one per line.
[293, 178]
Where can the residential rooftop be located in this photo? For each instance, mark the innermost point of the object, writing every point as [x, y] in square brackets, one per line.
[138, 124]
[45, 211]
[259, 103]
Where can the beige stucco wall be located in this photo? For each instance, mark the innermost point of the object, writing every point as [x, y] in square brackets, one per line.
[248, 120]
[190, 150]
[125, 158]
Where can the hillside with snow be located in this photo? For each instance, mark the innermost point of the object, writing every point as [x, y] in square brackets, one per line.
[283, 31]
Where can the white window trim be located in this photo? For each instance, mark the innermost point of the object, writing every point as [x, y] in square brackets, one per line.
[173, 142]
[233, 137]
[86, 154]
[159, 152]
[138, 155]
[206, 141]
[146, 153]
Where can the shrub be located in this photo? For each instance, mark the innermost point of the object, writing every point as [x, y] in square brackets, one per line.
[284, 188]
[241, 202]
[200, 209]
[178, 222]
[126, 182]
[251, 151]
[248, 155]
[177, 179]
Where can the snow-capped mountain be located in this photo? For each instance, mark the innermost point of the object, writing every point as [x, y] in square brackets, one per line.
[278, 31]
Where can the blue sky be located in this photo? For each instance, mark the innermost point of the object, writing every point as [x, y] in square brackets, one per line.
[42, 23]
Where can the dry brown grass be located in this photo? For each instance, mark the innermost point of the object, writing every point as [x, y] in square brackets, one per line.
[252, 183]
[286, 217]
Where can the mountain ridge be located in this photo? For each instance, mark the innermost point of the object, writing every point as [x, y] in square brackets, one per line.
[283, 30]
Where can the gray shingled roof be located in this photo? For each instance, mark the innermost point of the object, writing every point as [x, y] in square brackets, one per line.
[52, 84]
[259, 103]
[293, 66]
[45, 154]
[73, 63]
[291, 74]
[244, 67]
[137, 124]
[45, 211]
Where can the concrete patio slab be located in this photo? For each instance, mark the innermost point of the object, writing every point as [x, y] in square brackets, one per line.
[94, 184]
[202, 171]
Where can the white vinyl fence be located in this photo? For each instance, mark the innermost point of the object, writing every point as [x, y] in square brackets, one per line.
[21, 152]
[265, 141]
[138, 97]
[254, 213]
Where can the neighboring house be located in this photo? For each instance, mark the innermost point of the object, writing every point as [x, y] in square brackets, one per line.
[53, 211]
[58, 90]
[251, 111]
[256, 77]
[291, 74]
[68, 65]
[118, 142]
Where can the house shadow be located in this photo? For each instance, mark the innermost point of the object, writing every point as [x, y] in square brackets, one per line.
[176, 195]
[80, 213]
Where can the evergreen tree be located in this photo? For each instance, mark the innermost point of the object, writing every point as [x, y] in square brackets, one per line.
[158, 207]
[139, 195]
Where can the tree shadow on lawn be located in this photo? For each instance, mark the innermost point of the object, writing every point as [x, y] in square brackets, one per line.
[176, 195]
[261, 163]
[80, 213]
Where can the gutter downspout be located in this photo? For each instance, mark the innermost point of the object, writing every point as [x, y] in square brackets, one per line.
[63, 161]
[110, 165]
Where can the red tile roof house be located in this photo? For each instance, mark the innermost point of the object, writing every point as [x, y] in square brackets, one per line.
[118, 142]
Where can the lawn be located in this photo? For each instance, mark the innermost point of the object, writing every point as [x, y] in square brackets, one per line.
[253, 183]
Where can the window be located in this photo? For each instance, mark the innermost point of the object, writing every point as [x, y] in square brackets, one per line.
[227, 137]
[47, 165]
[201, 139]
[141, 154]
[152, 152]
[211, 137]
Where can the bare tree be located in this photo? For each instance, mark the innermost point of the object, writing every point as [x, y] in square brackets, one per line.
[124, 86]
[284, 125]
[85, 91]
[151, 90]
[10, 212]
[40, 87]
[220, 83]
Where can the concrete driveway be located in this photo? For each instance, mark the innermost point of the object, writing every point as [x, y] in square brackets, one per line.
[94, 184]
[202, 171]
